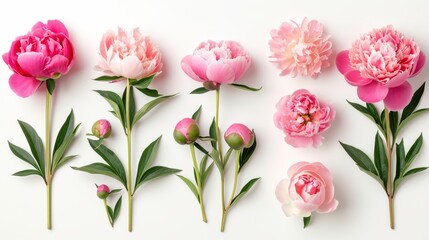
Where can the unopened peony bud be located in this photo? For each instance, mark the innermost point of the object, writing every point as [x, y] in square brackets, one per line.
[102, 128]
[103, 191]
[186, 131]
[239, 136]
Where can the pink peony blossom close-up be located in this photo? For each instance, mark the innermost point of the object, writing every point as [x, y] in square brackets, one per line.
[302, 118]
[308, 187]
[45, 52]
[379, 65]
[300, 49]
[216, 63]
[129, 55]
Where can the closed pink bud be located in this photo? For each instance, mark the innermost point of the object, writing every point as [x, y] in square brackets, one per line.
[238, 136]
[186, 131]
[103, 191]
[102, 128]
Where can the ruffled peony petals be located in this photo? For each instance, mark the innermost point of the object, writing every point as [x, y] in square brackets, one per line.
[23, 86]
[373, 92]
[57, 26]
[298, 141]
[33, 63]
[398, 80]
[343, 62]
[399, 97]
[131, 67]
[186, 67]
[418, 66]
[355, 79]
[220, 72]
[58, 64]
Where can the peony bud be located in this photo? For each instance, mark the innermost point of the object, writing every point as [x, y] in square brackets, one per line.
[103, 191]
[239, 136]
[102, 129]
[186, 131]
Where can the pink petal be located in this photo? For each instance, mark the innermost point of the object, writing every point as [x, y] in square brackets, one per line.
[282, 191]
[58, 64]
[373, 92]
[220, 72]
[294, 169]
[355, 79]
[131, 67]
[328, 207]
[399, 97]
[6, 58]
[240, 65]
[343, 62]
[199, 66]
[418, 66]
[32, 63]
[186, 67]
[57, 27]
[23, 86]
[298, 141]
[398, 80]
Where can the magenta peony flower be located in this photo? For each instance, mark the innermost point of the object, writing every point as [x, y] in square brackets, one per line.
[128, 54]
[379, 64]
[103, 191]
[43, 53]
[300, 49]
[215, 63]
[308, 188]
[303, 118]
[238, 136]
[186, 131]
[101, 128]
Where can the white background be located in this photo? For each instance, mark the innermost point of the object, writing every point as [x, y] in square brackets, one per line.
[166, 209]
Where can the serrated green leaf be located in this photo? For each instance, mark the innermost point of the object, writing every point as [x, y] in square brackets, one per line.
[154, 173]
[115, 102]
[117, 209]
[415, 170]
[28, 172]
[196, 115]
[23, 155]
[142, 83]
[212, 133]
[50, 85]
[150, 92]
[415, 100]
[306, 221]
[149, 106]
[380, 159]
[132, 107]
[107, 78]
[200, 90]
[147, 157]
[215, 156]
[102, 169]
[246, 153]
[244, 190]
[35, 143]
[244, 87]
[191, 186]
[411, 117]
[400, 159]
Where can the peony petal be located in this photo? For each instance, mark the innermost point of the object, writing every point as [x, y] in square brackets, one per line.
[33, 63]
[294, 169]
[282, 191]
[186, 67]
[240, 66]
[298, 141]
[373, 92]
[6, 58]
[199, 67]
[131, 67]
[418, 66]
[355, 79]
[220, 72]
[23, 86]
[397, 80]
[290, 210]
[399, 97]
[58, 64]
[328, 207]
[343, 62]
[57, 26]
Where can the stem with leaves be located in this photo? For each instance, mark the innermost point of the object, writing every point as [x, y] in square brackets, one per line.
[128, 133]
[389, 148]
[48, 158]
[107, 212]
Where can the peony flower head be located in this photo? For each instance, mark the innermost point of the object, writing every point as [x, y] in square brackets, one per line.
[303, 118]
[128, 54]
[45, 52]
[379, 65]
[238, 136]
[102, 129]
[216, 63]
[103, 191]
[300, 49]
[186, 131]
[307, 188]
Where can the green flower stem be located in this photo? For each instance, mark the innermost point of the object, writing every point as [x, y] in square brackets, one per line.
[199, 183]
[107, 212]
[48, 159]
[128, 133]
[389, 170]
[234, 188]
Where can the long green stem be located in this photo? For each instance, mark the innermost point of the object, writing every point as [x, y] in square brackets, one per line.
[48, 158]
[389, 170]
[234, 187]
[199, 183]
[128, 132]
[107, 212]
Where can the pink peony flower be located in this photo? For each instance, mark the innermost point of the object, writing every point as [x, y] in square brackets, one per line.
[43, 53]
[101, 128]
[308, 188]
[379, 65]
[186, 131]
[103, 191]
[303, 118]
[238, 136]
[300, 49]
[128, 54]
[215, 63]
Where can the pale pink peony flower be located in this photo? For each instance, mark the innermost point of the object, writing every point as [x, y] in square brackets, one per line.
[379, 64]
[308, 188]
[238, 136]
[216, 63]
[129, 55]
[45, 52]
[186, 131]
[300, 49]
[303, 118]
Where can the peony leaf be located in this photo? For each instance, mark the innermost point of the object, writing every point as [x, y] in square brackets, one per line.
[142, 83]
[65, 160]
[227, 156]
[306, 221]
[115, 102]
[394, 122]
[215, 156]
[400, 159]
[196, 115]
[246, 153]
[107, 78]
[28, 172]
[380, 159]
[191, 186]
[415, 100]
[154, 173]
[65, 131]
[201, 148]
[147, 158]
[412, 152]
[150, 92]
[35, 143]
[415, 170]
[117, 209]
[103, 169]
[244, 190]
[200, 90]
[205, 174]
[132, 107]
[410, 117]
[24, 155]
[212, 133]
[369, 115]
[50, 85]
[374, 113]
[244, 87]
[147, 107]
[115, 191]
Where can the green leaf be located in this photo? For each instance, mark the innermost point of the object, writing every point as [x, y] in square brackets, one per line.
[200, 90]
[412, 152]
[154, 173]
[65, 160]
[415, 170]
[380, 159]
[24, 155]
[215, 156]
[227, 156]
[107, 78]
[147, 107]
[110, 211]
[35, 143]
[205, 174]
[201, 148]
[142, 83]
[110, 158]
[374, 113]
[212, 133]
[103, 169]
[191, 186]
[150, 92]
[369, 114]
[132, 109]
[65, 131]
[115, 102]
[410, 117]
[306, 221]
[147, 158]
[50, 85]
[115, 191]
[28, 172]
[246, 153]
[360, 158]
[415, 100]
[196, 115]
[394, 122]
[244, 190]
[244, 87]
[117, 209]
[400, 159]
